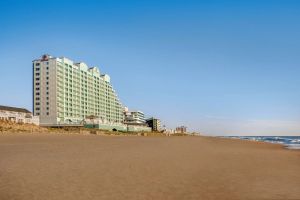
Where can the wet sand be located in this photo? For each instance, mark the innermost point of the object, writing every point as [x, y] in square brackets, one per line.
[97, 167]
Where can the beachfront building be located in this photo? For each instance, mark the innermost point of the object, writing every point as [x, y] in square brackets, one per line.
[154, 123]
[135, 121]
[18, 115]
[134, 117]
[181, 129]
[65, 92]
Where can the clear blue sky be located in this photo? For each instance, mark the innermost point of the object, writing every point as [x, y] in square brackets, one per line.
[219, 67]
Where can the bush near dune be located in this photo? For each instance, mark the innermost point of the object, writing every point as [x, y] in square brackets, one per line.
[7, 126]
[13, 127]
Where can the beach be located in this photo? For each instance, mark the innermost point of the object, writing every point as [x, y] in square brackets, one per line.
[50, 166]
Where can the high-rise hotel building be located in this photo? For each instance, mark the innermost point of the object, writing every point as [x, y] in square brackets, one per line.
[65, 92]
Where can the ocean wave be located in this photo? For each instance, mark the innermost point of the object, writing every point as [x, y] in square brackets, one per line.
[290, 142]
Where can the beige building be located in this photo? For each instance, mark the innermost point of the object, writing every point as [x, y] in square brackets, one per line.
[65, 92]
[181, 129]
[154, 123]
[18, 115]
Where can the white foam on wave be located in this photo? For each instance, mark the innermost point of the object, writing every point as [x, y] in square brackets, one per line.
[296, 141]
[293, 146]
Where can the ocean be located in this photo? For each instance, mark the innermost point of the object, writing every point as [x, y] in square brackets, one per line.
[290, 142]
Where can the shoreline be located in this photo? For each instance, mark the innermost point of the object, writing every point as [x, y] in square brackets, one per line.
[87, 132]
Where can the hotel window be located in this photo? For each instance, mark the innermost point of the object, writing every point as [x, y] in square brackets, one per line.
[47, 93]
[47, 73]
[37, 79]
[37, 64]
[37, 93]
[37, 69]
[47, 113]
[37, 74]
[37, 84]
[37, 109]
[37, 99]
[47, 78]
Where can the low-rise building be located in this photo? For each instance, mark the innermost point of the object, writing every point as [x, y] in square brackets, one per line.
[18, 115]
[135, 121]
[181, 129]
[97, 123]
[134, 117]
[154, 123]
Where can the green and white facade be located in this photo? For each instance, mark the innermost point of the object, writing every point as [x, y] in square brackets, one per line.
[65, 92]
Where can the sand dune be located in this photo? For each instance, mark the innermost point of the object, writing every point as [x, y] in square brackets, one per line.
[96, 167]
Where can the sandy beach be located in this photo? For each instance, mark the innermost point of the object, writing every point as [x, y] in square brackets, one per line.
[100, 167]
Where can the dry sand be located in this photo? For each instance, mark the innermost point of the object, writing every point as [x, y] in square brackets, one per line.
[97, 167]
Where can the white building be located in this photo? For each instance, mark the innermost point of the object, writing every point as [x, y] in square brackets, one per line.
[135, 117]
[18, 115]
[65, 92]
